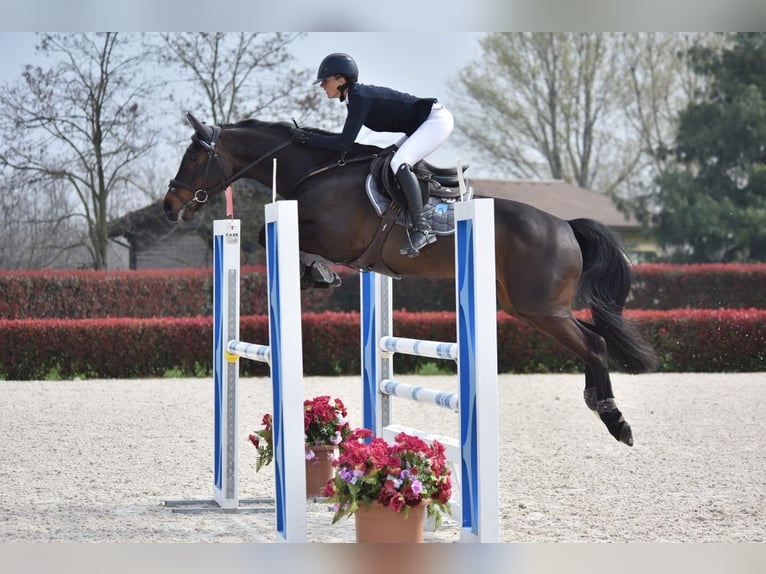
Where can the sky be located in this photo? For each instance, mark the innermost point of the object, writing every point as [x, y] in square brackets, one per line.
[422, 63]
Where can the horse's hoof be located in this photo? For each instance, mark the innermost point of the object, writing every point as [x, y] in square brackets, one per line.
[306, 283]
[617, 426]
[626, 435]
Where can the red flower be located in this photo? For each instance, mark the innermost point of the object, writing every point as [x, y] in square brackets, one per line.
[324, 423]
[399, 475]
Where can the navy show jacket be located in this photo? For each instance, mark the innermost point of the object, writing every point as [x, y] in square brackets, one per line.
[379, 109]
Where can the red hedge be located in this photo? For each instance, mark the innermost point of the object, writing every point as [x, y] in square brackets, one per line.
[188, 293]
[687, 340]
[704, 286]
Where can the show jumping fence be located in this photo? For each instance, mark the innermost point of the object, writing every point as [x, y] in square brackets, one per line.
[283, 354]
[474, 457]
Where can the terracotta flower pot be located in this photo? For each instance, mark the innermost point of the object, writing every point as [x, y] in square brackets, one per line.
[380, 524]
[319, 470]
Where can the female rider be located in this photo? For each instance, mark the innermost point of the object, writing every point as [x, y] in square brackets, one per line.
[426, 124]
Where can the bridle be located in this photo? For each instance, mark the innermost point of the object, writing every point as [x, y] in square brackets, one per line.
[201, 195]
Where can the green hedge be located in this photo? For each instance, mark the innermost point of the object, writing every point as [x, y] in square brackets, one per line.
[188, 293]
[687, 340]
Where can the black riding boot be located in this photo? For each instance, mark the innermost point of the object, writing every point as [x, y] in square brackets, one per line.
[423, 234]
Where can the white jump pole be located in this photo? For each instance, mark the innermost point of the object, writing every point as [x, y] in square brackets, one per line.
[476, 352]
[285, 340]
[477, 367]
[226, 293]
[283, 354]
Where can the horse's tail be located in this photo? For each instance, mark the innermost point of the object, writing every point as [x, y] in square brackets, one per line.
[604, 285]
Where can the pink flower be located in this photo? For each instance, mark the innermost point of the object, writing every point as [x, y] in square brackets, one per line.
[403, 474]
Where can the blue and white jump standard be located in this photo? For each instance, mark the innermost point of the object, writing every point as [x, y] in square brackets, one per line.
[475, 456]
[284, 355]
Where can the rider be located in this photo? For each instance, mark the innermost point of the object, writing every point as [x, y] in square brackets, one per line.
[426, 124]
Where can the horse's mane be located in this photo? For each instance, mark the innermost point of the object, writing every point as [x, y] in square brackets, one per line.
[285, 128]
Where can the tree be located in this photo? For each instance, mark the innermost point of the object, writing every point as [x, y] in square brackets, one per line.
[38, 229]
[539, 104]
[590, 108]
[227, 77]
[713, 198]
[79, 123]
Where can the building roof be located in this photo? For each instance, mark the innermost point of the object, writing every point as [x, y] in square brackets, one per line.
[564, 200]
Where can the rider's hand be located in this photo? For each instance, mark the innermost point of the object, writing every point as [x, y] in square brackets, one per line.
[299, 136]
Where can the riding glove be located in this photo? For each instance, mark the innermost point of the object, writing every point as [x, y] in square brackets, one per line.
[299, 136]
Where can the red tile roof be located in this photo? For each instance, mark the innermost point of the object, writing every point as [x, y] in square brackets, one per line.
[564, 200]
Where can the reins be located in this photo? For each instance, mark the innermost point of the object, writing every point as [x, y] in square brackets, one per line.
[202, 195]
[340, 163]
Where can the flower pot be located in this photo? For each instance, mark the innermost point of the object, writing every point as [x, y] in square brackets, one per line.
[319, 470]
[380, 524]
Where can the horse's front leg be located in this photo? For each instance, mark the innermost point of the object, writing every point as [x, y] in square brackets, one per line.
[316, 272]
[314, 269]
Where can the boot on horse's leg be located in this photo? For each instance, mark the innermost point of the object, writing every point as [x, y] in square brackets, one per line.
[422, 234]
[314, 272]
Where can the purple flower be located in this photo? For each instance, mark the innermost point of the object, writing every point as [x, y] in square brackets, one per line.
[350, 476]
[396, 480]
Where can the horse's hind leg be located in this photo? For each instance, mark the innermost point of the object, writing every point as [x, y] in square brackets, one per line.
[598, 383]
[591, 347]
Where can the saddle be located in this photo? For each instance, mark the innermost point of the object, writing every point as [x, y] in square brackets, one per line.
[434, 181]
[440, 188]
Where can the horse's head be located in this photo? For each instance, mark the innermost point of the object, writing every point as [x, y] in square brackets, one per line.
[199, 177]
[209, 165]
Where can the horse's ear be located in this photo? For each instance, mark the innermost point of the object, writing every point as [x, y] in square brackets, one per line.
[204, 133]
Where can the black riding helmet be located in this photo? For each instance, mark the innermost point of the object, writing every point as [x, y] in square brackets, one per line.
[338, 65]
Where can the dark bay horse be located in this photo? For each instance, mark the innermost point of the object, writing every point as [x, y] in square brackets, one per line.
[542, 262]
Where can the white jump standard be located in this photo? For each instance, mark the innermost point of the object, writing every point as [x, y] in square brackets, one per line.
[283, 283]
[475, 457]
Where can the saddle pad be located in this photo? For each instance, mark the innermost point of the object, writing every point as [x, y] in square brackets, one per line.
[439, 211]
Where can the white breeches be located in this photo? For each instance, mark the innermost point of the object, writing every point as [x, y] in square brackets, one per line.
[432, 133]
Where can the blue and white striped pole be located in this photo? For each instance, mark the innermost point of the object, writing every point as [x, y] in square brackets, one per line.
[285, 340]
[226, 243]
[476, 354]
[284, 354]
[477, 367]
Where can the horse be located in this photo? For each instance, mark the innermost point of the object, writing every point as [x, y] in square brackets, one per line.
[543, 263]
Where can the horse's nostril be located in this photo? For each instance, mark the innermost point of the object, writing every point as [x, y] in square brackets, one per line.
[168, 209]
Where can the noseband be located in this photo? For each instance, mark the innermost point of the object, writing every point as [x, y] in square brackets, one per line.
[201, 195]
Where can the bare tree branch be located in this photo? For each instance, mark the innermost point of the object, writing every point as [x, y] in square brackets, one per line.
[82, 120]
[593, 108]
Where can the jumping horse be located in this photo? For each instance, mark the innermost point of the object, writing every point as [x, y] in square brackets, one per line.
[542, 262]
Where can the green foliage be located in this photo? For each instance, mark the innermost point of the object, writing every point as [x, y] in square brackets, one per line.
[431, 368]
[713, 199]
[688, 339]
[188, 293]
[63, 348]
[704, 286]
